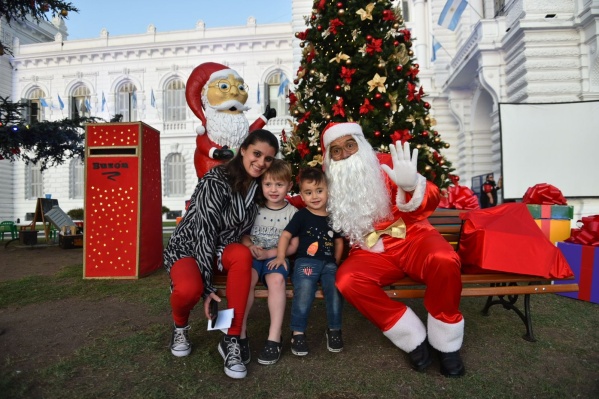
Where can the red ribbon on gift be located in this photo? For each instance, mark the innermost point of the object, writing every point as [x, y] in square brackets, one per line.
[459, 197]
[544, 194]
[588, 233]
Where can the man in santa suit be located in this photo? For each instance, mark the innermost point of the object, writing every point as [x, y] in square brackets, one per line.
[381, 206]
[217, 95]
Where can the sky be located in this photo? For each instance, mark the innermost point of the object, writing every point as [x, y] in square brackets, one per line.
[125, 17]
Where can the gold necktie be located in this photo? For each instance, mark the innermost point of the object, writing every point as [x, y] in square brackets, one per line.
[396, 230]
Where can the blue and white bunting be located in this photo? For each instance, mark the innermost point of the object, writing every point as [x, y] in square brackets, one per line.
[152, 99]
[43, 102]
[283, 85]
[60, 102]
[103, 101]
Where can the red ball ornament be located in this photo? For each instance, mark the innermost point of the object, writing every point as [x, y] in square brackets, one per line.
[295, 81]
[435, 133]
[339, 5]
[377, 96]
[396, 43]
[369, 37]
[417, 66]
[425, 134]
[337, 87]
[377, 134]
[399, 68]
[319, 28]
[313, 17]
[387, 104]
[427, 105]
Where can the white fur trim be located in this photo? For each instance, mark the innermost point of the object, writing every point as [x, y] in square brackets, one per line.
[445, 337]
[200, 130]
[417, 197]
[408, 332]
[223, 74]
[339, 130]
[211, 152]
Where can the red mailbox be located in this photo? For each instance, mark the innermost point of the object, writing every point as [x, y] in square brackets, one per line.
[123, 201]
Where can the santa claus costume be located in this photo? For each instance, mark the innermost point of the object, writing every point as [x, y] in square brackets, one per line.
[224, 126]
[386, 223]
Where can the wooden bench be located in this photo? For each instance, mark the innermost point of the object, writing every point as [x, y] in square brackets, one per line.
[500, 288]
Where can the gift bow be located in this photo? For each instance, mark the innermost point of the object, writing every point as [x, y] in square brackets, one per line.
[459, 197]
[396, 230]
[588, 233]
[544, 194]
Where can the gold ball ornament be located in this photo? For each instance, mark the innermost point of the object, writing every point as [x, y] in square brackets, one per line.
[296, 112]
[401, 21]
[64, 13]
[427, 168]
[341, 12]
[348, 61]
[396, 25]
[327, 117]
[381, 65]
[446, 145]
[427, 119]
[410, 53]
[418, 146]
[437, 139]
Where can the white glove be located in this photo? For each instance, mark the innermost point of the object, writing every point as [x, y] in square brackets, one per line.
[404, 172]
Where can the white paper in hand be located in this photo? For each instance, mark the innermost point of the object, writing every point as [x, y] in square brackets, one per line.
[223, 322]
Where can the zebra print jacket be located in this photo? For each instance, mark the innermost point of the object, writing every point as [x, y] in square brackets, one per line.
[214, 219]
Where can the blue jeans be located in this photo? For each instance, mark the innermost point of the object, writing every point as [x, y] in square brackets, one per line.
[307, 272]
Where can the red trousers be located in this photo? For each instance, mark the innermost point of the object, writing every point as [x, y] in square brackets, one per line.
[188, 285]
[425, 256]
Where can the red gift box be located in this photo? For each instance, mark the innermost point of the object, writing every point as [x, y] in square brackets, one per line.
[505, 238]
[584, 262]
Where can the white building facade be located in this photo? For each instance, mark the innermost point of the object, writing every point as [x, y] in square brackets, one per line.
[501, 51]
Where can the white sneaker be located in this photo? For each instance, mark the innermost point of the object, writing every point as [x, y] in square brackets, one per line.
[230, 350]
[180, 344]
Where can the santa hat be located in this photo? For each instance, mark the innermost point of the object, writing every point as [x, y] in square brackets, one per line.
[334, 130]
[202, 75]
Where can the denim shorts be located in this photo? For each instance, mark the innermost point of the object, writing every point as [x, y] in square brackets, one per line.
[261, 267]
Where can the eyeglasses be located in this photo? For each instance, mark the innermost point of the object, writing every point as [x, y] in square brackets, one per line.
[225, 86]
[349, 147]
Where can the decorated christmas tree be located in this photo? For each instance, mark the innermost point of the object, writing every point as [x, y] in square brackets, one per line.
[358, 65]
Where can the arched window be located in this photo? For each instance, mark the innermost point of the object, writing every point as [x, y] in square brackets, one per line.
[174, 175]
[76, 178]
[80, 102]
[126, 102]
[34, 182]
[277, 89]
[34, 104]
[174, 101]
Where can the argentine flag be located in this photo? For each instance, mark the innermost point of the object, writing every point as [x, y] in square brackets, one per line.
[436, 47]
[283, 85]
[451, 14]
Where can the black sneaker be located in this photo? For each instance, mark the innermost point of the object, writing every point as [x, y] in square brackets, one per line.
[271, 353]
[244, 344]
[334, 340]
[230, 350]
[299, 346]
[180, 343]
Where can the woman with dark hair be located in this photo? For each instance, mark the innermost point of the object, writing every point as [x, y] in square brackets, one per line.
[221, 210]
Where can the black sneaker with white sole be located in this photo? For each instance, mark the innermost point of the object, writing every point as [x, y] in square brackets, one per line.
[299, 345]
[271, 353]
[244, 346]
[180, 343]
[230, 350]
[334, 340]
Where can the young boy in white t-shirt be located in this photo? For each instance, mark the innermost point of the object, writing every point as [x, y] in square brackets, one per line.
[273, 215]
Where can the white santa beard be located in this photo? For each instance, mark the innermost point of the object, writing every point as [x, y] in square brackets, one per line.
[358, 195]
[224, 128]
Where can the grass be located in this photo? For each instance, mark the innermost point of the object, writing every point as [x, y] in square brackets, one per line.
[129, 360]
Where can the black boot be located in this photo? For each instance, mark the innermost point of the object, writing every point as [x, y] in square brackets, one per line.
[451, 364]
[420, 357]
